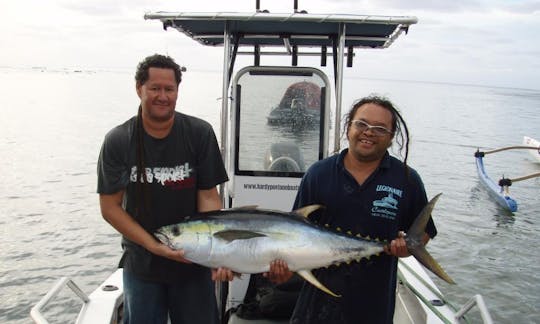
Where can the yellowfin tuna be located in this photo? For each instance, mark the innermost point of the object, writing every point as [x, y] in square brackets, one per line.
[246, 240]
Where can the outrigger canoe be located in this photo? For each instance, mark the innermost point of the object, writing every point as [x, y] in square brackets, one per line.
[500, 191]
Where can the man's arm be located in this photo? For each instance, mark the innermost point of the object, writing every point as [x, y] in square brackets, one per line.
[208, 200]
[114, 214]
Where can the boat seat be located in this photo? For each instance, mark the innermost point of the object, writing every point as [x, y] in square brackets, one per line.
[265, 302]
[237, 320]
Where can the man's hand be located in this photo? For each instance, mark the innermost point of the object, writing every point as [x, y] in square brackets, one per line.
[223, 274]
[398, 246]
[279, 272]
[166, 252]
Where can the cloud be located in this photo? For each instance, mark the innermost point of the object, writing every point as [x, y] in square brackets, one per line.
[481, 41]
[443, 6]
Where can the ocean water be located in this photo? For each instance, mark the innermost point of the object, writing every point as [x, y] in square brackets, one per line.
[53, 122]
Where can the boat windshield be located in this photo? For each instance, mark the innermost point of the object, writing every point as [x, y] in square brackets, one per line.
[279, 120]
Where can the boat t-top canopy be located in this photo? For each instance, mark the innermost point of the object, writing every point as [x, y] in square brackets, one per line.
[296, 34]
[291, 29]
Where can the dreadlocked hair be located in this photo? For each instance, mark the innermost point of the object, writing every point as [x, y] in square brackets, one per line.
[399, 127]
[143, 197]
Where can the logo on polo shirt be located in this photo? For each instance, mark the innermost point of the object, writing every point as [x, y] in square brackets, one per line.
[387, 206]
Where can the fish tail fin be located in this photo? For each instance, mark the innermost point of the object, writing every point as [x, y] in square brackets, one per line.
[309, 277]
[416, 246]
[423, 256]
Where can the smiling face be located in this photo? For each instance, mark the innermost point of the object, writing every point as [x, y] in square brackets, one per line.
[365, 145]
[158, 94]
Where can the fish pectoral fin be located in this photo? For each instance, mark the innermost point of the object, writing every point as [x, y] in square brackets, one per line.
[232, 235]
[309, 277]
[307, 210]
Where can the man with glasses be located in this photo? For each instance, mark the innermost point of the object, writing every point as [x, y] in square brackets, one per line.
[366, 191]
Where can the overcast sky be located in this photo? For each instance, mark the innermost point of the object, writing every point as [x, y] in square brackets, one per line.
[484, 42]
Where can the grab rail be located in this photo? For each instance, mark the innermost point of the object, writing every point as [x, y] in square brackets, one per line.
[35, 312]
[459, 314]
[478, 301]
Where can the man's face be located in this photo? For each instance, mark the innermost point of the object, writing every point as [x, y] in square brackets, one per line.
[158, 94]
[367, 145]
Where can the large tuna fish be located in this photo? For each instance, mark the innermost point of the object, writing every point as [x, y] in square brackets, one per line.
[246, 240]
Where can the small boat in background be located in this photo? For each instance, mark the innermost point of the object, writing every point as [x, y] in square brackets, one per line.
[501, 190]
[529, 141]
[300, 106]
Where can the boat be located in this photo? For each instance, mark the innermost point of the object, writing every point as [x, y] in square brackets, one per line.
[500, 191]
[299, 106]
[266, 170]
[535, 144]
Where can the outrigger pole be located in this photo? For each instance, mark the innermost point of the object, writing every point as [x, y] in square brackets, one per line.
[511, 148]
[530, 176]
[505, 181]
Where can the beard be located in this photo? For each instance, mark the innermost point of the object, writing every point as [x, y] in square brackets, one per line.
[160, 114]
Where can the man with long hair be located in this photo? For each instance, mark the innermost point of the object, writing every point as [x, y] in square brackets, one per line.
[366, 191]
[153, 170]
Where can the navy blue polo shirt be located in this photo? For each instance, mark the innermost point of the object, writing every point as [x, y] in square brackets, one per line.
[387, 202]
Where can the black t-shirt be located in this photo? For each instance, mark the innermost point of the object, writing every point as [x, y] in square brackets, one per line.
[176, 167]
[387, 202]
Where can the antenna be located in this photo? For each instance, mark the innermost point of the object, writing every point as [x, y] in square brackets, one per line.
[295, 7]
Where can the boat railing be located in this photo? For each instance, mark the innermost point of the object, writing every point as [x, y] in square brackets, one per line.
[476, 300]
[103, 305]
[35, 312]
[459, 314]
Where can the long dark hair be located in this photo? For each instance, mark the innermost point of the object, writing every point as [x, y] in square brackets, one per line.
[399, 127]
[141, 76]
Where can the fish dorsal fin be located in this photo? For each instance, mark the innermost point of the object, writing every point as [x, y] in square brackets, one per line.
[309, 277]
[306, 210]
[232, 235]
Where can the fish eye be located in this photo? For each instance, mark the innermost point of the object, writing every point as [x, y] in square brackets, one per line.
[175, 230]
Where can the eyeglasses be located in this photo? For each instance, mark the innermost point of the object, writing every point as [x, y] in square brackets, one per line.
[362, 126]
